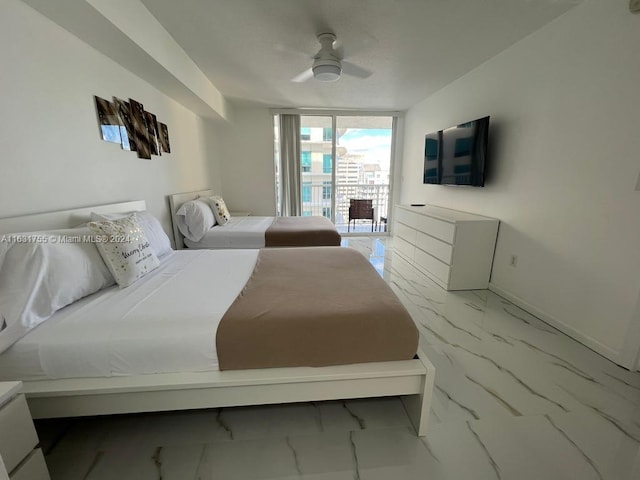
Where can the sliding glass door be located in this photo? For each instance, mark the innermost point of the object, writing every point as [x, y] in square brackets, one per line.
[345, 158]
[363, 171]
[353, 164]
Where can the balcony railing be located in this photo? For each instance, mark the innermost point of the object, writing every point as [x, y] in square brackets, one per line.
[316, 200]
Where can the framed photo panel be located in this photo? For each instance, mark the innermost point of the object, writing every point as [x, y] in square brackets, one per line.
[108, 120]
[164, 137]
[140, 129]
[152, 133]
[127, 135]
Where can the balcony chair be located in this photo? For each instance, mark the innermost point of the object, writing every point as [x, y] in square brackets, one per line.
[360, 209]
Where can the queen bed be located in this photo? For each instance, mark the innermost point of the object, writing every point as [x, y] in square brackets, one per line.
[193, 334]
[247, 231]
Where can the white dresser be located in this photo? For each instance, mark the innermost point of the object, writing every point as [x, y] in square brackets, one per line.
[453, 248]
[22, 458]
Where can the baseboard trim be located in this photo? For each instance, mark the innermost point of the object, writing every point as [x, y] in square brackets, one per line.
[586, 340]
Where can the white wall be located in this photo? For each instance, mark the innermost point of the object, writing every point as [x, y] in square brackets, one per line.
[51, 154]
[564, 162]
[246, 162]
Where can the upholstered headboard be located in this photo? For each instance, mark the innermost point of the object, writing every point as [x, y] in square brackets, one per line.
[175, 202]
[64, 218]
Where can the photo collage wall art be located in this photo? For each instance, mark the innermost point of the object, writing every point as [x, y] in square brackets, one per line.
[127, 123]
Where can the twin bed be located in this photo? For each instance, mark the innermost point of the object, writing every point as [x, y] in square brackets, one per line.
[255, 232]
[219, 328]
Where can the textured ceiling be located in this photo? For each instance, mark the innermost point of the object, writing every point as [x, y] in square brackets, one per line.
[251, 49]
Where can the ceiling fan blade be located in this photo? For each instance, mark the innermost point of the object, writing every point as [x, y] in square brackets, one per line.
[303, 77]
[355, 71]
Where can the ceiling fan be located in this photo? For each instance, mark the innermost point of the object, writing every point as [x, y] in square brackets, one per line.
[328, 64]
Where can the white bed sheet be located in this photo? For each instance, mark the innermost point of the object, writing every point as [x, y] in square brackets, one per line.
[166, 322]
[239, 232]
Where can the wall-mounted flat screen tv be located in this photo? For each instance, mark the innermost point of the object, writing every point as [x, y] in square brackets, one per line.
[457, 155]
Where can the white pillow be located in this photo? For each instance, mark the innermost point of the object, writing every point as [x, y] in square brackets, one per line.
[125, 249]
[220, 210]
[160, 243]
[194, 219]
[43, 272]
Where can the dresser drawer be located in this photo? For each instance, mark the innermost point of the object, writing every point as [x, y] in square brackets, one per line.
[405, 216]
[34, 468]
[17, 433]
[404, 232]
[435, 247]
[430, 225]
[403, 247]
[432, 265]
[436, 228]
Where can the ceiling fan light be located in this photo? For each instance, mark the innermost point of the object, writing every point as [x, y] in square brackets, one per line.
[326, 73]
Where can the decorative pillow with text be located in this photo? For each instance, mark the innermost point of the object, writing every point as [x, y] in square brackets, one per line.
[160, 243]
[125, 249]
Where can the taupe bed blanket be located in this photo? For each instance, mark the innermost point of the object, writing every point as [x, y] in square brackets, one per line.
[314, 307]
[301, 232]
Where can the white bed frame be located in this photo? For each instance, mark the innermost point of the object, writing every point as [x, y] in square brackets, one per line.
[175, 202]
[410, 379]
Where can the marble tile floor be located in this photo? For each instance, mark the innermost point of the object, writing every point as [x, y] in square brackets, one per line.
[514, 399]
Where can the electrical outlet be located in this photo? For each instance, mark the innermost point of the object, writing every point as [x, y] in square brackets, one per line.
[513, 261]
[634, 6]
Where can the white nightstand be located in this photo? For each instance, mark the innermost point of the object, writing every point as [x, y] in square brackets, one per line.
[22, 458]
